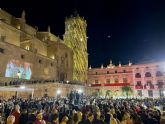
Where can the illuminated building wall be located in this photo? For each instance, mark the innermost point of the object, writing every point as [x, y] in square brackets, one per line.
[75, 38]
[27, 53]
[146, 80]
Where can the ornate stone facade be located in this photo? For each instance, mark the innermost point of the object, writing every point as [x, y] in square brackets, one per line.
[146, 80]
[75, 38]
[29, 54]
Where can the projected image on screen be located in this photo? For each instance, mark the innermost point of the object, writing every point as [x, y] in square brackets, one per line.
[17, 69]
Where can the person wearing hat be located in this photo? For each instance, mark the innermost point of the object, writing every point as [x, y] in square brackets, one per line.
[39, 119]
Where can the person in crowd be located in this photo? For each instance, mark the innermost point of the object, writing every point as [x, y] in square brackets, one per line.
[89, 119]
[55, 119]
[126, 119]
[10, 119]
[16, 113]
[24, 117]
[64, 120]
[89, 110]
[39, 119]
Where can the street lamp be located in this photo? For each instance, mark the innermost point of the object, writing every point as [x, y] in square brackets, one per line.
[58, 92]
[80, 91]
[67, 81]
[22, 87]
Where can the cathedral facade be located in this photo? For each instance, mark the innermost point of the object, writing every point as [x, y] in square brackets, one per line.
[27, 53]
[146, 80]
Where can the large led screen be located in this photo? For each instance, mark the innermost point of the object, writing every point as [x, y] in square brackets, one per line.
[18, 69]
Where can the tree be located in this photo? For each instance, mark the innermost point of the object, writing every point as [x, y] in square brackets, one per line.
[126, 89]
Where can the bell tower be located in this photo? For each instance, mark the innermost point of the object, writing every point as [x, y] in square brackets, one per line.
[75, 37]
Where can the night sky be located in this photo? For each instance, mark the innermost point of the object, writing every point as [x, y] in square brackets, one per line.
[120, 30]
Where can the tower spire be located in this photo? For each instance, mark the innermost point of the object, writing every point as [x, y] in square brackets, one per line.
[49, 28]
[23, 14]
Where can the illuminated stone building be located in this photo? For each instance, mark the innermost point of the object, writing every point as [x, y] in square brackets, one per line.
[75, 38]
[27, 53]
[146, 80]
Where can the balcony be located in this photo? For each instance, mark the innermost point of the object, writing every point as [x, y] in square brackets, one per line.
[114, 84]
[151, 86]
[139, 87]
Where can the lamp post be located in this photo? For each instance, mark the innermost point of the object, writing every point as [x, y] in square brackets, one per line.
[58, 93]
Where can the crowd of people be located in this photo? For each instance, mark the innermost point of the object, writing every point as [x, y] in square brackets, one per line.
[79, 109]
[22, 82]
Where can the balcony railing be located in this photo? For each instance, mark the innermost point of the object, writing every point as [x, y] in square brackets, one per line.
[112, 84]
[139, 87]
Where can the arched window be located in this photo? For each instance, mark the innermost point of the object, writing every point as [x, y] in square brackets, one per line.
[27, 48]
[147, 74]
[116, 80]
[159, 73]
[138, 75]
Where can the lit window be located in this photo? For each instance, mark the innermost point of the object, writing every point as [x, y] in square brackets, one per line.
[27, 48]
[52, 56]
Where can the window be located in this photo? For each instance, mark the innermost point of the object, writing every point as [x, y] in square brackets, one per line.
[40, 61]
[22, 56]
[115, 71]
[138, 75]
[62, 60]
[138, 83]
[149, 83]
[27, 48]
[96, 81]
[161, 93]
[160, 84]
[1, 50]
[107, 72]
[125, 80]
[159, 73]
[108, 81]
[96, 73]
[116, 80]
[66, 55]
[147, 74]
[150, 93]
[51, 64]
[3, 38]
